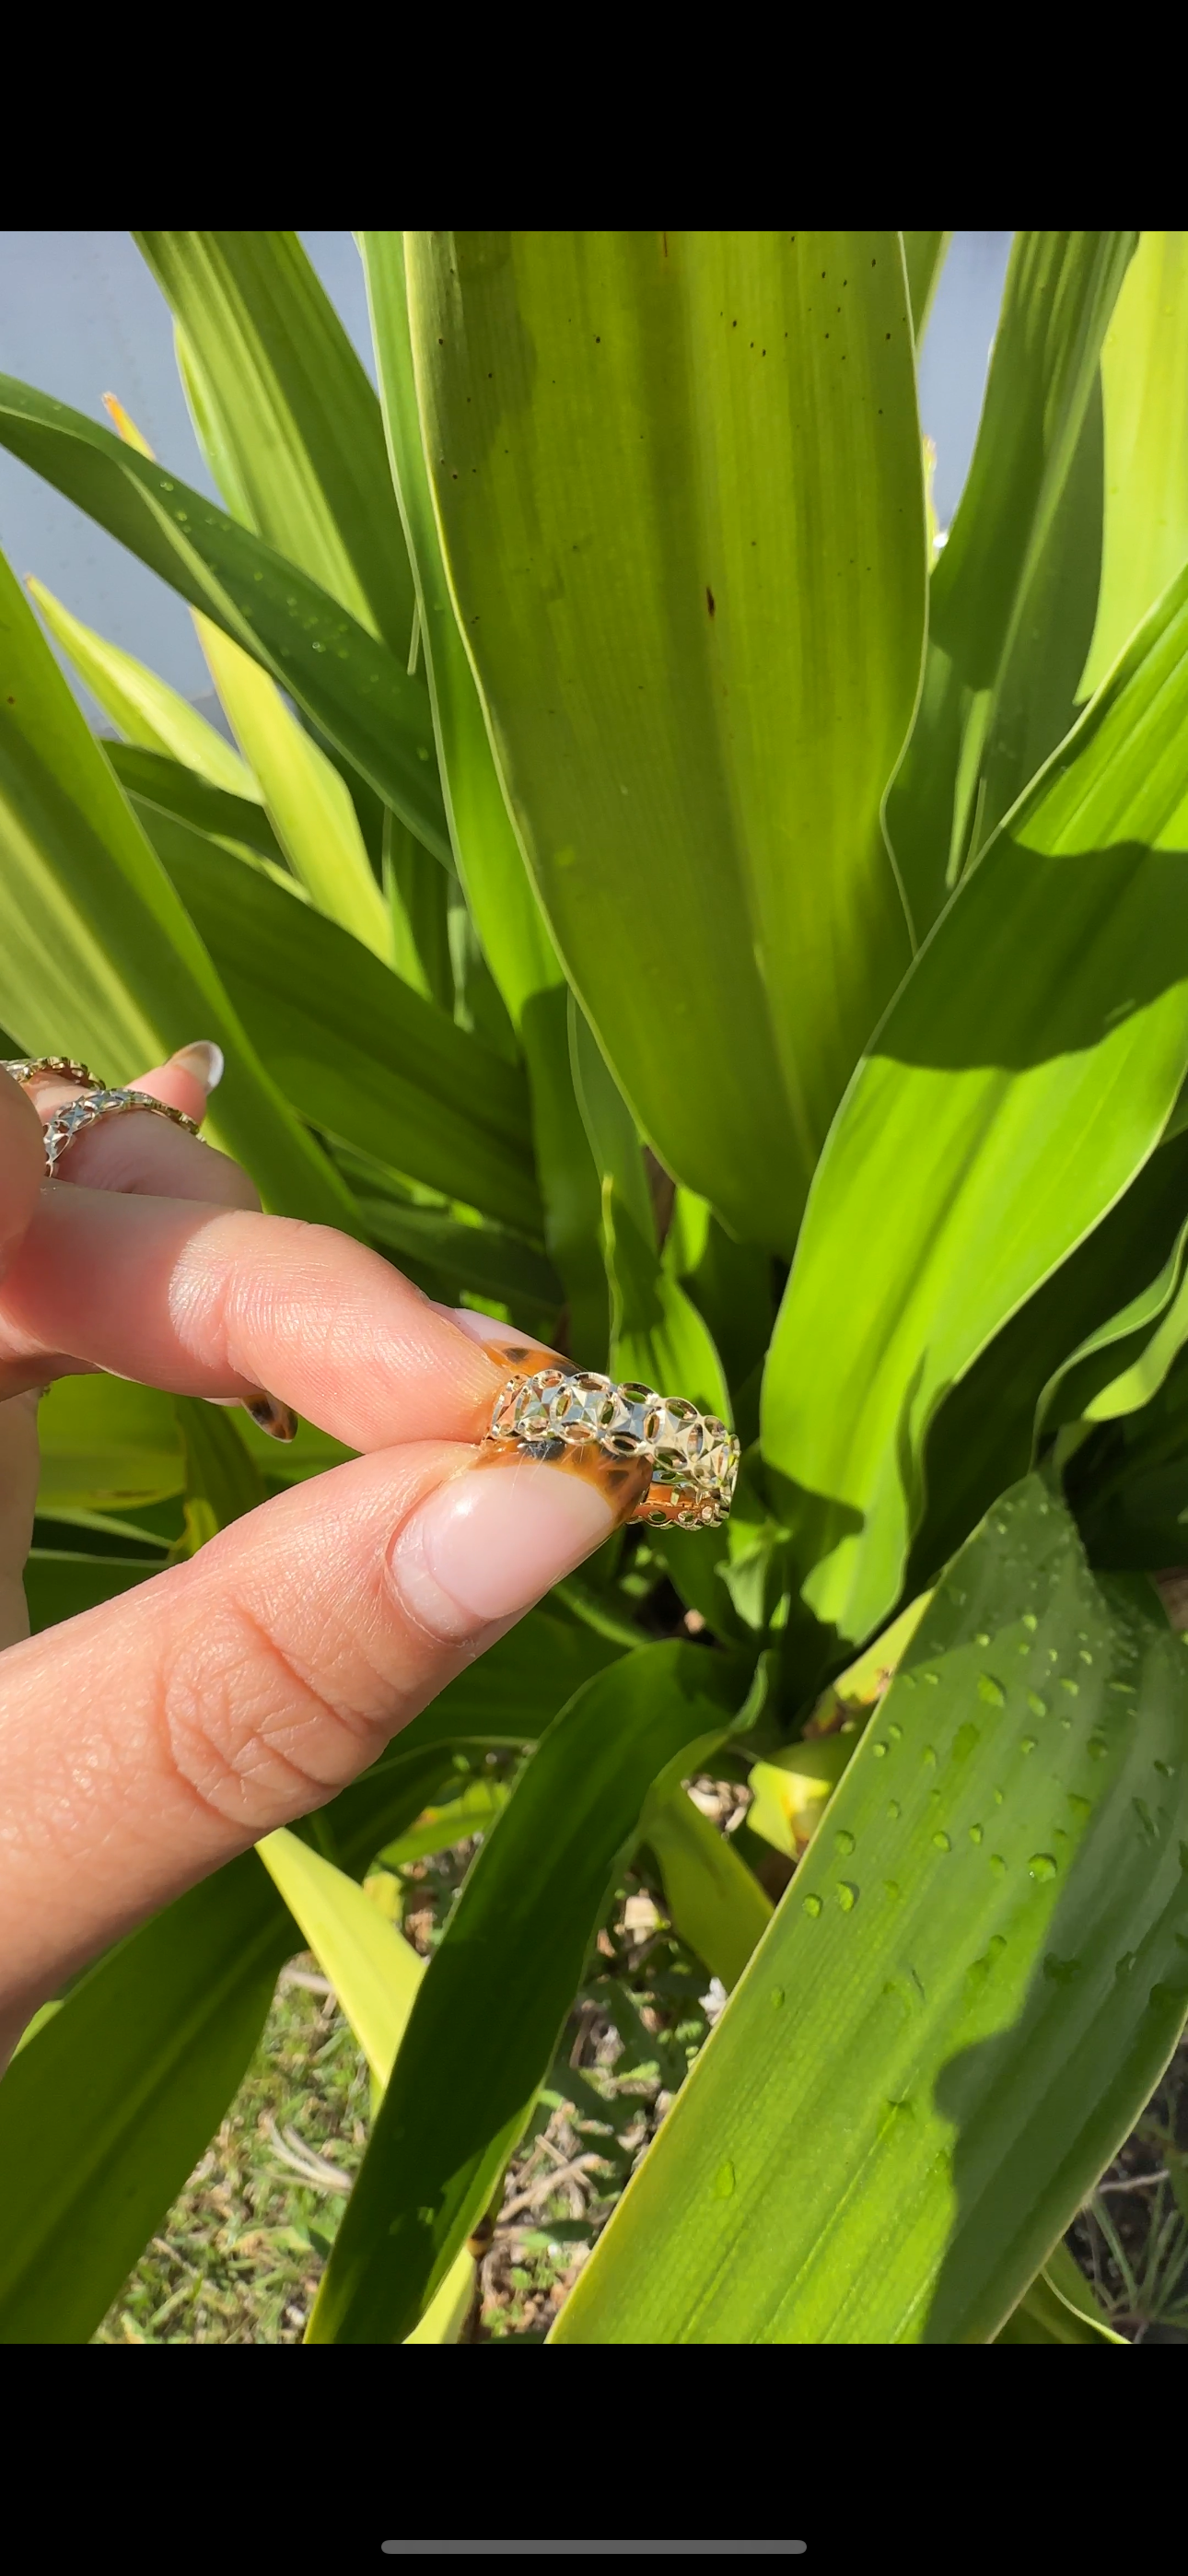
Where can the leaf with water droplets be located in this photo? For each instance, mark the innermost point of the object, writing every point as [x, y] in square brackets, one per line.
[987, 1991]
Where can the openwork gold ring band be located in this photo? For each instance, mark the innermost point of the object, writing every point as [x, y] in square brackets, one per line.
[558, 1414]
[96, 1103]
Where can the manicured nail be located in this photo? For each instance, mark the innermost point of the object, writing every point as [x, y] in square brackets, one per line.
[270, 1415]
[501, 1341]
[204, 1060]
[478, 1328]
[487, 1544]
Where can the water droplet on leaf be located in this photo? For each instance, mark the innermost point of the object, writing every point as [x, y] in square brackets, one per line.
[1041, 1865]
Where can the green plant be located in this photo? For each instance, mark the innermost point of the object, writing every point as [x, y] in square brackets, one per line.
[670, 897]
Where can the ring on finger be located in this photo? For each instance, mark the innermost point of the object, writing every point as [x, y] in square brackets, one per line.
[50, 1068]
[78, 1115]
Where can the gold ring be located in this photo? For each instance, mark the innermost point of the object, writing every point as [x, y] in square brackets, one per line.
[573, 1415]
[67, 1123]
[56, 1068]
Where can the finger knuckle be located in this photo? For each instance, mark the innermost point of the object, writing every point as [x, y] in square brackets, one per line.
[248, 1730]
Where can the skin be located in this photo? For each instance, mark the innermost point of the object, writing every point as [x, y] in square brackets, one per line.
[145, 1743]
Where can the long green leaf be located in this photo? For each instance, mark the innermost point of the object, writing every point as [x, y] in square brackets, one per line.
[924, 254]
[59, 1584]
[150, 778]
[107, 2109]
[715, 1901]
[484, 1258]
[349, 683]
[1128, 1481]
[146, 709]
[306, 801]
[222, 1479]
[1014, 592]
[1049, 1361]
[286, 414]
[107, 1445]
[1144, 371]
[658, 1337]
[507, 917]
[358, 1053]
[1020, 1080]
[964, 2000]
[515, 1692]
[679, 482]
[485, 2022]
[97, 956]
[375, 1973]
[1059, 2307]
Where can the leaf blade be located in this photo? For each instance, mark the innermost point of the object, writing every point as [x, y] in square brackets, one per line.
[615, 554]
[486, 2019]
[1019, 1126]
[889, 2151]
[347, 681]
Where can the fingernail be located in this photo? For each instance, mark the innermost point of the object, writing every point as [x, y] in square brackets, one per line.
[270, 1415]
[204, 1060]
[486, 1545]
[477, 1328]
[501, 1341]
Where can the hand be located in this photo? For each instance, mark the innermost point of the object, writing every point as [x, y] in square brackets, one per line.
[148, 1741]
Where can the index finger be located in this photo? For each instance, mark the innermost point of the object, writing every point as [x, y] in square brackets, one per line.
[222, 1302]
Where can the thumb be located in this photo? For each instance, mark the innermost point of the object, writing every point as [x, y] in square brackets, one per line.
[148, 1741]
